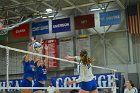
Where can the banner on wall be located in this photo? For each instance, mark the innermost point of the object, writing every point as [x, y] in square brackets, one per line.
[61, 25]
[20, 31]
[82, 43]
[52, 51]
[66, 48]
[84, 21]
[39, 28]
[110, 18]
[103, 80]
[12, 83]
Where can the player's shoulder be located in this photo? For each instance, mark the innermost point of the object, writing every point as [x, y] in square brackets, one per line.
[135, 89]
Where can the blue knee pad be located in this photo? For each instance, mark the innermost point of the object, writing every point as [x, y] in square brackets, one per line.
[89, 85]
[26, 83]
[38, 84]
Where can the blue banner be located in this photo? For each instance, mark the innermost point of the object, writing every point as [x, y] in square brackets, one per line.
[61, 25]
[12, 83]
[110, 18]
[103, 80]
[40, 28]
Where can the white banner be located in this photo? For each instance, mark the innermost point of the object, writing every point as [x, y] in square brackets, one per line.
[66, 48]
[83, 42]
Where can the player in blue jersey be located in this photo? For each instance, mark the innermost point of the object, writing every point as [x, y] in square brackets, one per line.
[28, 65]
[86, 78]
[41, 74]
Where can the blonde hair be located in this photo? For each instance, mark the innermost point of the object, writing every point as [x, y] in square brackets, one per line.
[24, 57]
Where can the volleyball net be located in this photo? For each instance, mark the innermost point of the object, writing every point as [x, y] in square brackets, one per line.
[11, 73]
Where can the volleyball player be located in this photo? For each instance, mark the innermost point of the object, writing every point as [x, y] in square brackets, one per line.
[28, 64]
[130, 88]
[86, 78]
[41, 74]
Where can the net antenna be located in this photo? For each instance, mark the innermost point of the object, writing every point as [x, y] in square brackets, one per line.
[4, 30]
[114, 87]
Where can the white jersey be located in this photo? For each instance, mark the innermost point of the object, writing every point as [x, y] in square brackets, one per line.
[133, 90]
[85, 71]
[51, 89]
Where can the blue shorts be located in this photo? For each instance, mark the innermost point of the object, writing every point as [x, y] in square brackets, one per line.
[89, 85]
[26, 83]
[38, 84]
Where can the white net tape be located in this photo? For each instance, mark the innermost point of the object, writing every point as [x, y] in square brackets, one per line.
[7, 49]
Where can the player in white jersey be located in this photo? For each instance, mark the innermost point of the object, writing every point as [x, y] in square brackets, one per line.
[86, 78]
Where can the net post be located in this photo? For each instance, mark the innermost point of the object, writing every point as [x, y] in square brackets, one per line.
[7, 67]
[114, 88]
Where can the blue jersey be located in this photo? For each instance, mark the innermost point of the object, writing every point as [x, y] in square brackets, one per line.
[28, 69]
[41, 73]
[31, 63]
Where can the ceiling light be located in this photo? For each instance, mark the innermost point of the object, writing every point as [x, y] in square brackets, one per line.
[49, 10]
[103, 8]
[51, 16]
[44, 17]
[96, 9]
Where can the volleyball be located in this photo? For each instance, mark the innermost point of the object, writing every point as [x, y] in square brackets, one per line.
[37, 45]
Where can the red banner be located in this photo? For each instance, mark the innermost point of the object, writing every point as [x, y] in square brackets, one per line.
[52, 51]
[20, 31]
[84, 21]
